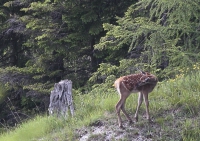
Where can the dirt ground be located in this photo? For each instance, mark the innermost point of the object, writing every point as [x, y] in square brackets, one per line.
[108, 130]
[166, 126]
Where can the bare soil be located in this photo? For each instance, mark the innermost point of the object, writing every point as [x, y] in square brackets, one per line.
[108, 130]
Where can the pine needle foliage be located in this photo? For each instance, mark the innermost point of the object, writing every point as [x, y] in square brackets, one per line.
[164, 34]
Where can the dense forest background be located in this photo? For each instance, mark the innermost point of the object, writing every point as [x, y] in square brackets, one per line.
[89, 42]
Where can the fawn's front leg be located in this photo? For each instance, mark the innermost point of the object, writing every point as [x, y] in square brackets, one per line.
[140, 99]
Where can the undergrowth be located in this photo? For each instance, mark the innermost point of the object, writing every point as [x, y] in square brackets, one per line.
[174, 108]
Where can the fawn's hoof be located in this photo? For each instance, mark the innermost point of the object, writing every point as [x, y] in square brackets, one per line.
[130, 121]
[150, 120]
[121, 127]
[136, 119]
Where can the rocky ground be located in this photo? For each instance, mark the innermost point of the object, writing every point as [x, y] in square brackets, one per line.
[108, 130]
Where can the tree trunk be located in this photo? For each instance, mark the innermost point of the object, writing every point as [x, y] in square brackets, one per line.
[94, 63]
[61, 99]
[13, 51]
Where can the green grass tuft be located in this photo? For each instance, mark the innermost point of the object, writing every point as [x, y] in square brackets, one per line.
[28, 130]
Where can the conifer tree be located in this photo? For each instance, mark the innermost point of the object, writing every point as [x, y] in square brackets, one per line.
[12, 35]
[71, 29]
[158, 35]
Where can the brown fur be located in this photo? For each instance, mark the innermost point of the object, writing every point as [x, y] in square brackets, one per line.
[143, 83]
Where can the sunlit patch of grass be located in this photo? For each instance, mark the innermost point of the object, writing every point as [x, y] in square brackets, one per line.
[183, 92]
[35, 128]
[191, 130]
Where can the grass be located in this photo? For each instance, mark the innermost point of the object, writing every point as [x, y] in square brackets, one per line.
[174, 108]
[27, 131]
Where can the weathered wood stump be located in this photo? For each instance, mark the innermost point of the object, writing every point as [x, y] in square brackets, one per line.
[61, 99]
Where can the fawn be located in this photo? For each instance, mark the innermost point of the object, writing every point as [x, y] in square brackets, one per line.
[143, 83]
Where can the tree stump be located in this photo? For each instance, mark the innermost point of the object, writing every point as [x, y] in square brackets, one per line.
[61, 99]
